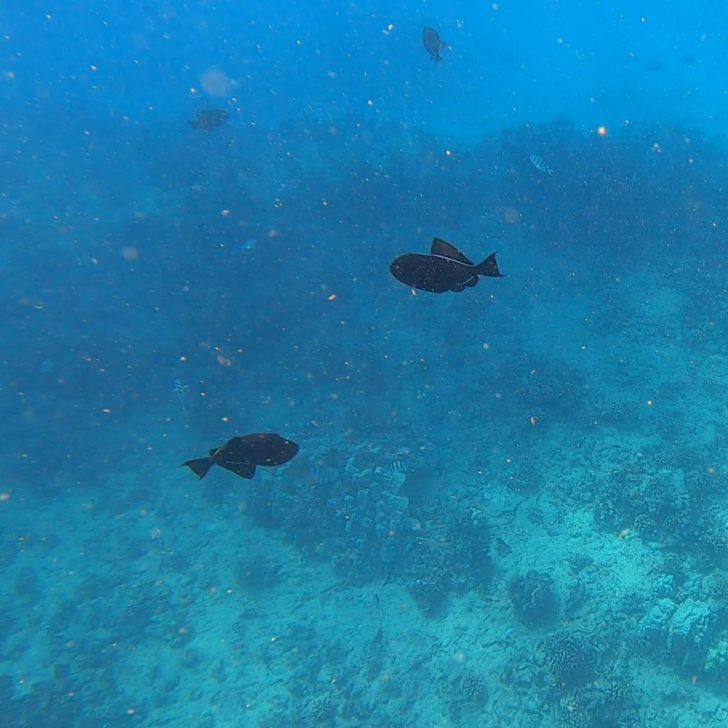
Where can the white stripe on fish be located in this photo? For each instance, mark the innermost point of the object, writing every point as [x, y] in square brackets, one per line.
[539, 164]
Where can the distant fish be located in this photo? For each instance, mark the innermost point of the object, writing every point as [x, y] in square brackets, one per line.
[539, 164]
[208, 119]
[444, 269]
[502, 546]
[151, 10]
[179, 390]
[654, 65]
[397, 466]
[247, 245]
[433, 43]
[241, 454]
[47, 366]
[179, 387]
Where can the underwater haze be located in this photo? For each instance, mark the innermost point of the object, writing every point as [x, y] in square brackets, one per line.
[365, 364]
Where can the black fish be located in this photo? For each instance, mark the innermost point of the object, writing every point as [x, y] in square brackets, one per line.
[433, 43]
[209, 119]
[242, 454]
[445, 269]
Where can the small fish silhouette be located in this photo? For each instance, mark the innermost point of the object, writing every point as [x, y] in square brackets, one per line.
[47, 366]
[208, 119]
[433, 43]
[398, 466]
[179, 389]
[247, 245]
[539, 164]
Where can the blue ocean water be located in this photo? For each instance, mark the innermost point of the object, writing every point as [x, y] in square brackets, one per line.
[509, 503]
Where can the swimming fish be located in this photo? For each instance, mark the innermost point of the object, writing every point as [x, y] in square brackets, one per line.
[208, 119]
[433, 43]
[444, 269]
[539, 164]
[247, 245]
[241, 454]
[47, 366]
[398, 466]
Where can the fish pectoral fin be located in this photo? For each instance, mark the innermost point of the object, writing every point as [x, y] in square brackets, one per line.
[199, 467]
[467, 283]
[245, 469]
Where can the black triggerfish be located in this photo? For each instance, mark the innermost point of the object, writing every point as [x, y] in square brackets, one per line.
[433, 43]
[241, 454]
[444, 269]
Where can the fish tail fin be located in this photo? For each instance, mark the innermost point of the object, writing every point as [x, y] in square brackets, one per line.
[489, 267]
[199, 467]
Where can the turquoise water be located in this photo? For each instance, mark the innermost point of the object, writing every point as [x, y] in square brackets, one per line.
[509, 504]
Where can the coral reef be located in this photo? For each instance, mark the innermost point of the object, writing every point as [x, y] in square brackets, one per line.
[255, 572]
[681, 631]
[472, 688]
[361, 517]
[551, 389]
[653, 499]
[322, 711]
[534, 599]
[601, 704]
[571, 658]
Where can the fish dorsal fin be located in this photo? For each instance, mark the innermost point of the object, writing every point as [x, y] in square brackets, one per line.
[447, 250]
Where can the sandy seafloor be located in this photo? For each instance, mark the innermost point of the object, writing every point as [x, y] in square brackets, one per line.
[137, 600]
